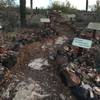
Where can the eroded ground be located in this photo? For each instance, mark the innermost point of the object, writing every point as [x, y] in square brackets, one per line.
[34, 78]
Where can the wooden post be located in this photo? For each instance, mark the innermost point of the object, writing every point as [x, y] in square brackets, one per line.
[94, 34]
[23, 13]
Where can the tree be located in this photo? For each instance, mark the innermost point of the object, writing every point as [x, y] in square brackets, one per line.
[31, 4]
[87, 5]
[10, 2]
[23, 13]
[96, 8]
[64, 7]
[6, 3]
[2, 3]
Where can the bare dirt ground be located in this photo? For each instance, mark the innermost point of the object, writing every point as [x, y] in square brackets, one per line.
[34, 78]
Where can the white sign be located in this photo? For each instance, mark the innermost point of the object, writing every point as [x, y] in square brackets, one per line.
[94, 26]
[83, 43]
[45, 20]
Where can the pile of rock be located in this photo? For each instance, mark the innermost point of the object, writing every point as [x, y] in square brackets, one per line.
[78, 69]
[8, 59]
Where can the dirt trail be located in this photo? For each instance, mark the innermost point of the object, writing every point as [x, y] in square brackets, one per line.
[38, 82]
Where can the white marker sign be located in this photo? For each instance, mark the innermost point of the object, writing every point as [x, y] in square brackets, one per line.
[45, 20]
[94, 26]
[83, 43]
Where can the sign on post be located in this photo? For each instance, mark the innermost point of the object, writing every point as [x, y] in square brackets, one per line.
[45, 20]
[83, 43]
[94, 26]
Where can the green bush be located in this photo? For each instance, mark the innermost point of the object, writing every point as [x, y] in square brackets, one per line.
[64, 7]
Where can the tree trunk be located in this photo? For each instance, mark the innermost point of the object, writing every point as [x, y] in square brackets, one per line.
[87, 1]
[31, 3]
[23, 13]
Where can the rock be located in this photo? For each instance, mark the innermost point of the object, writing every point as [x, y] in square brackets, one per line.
[72, 78]
[51, 56]
[2, 50]
[60, 40]
[91, 94]
[37, 64]
[96, 90]
[80, 93]
[62, 97]
[97, 80]
[1, 79]
[1, 69]
[60, 60]
[9, 61]
[86, 86]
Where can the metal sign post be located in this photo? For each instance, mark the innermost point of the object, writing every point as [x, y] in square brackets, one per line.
[45, 21]
[95, 27]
